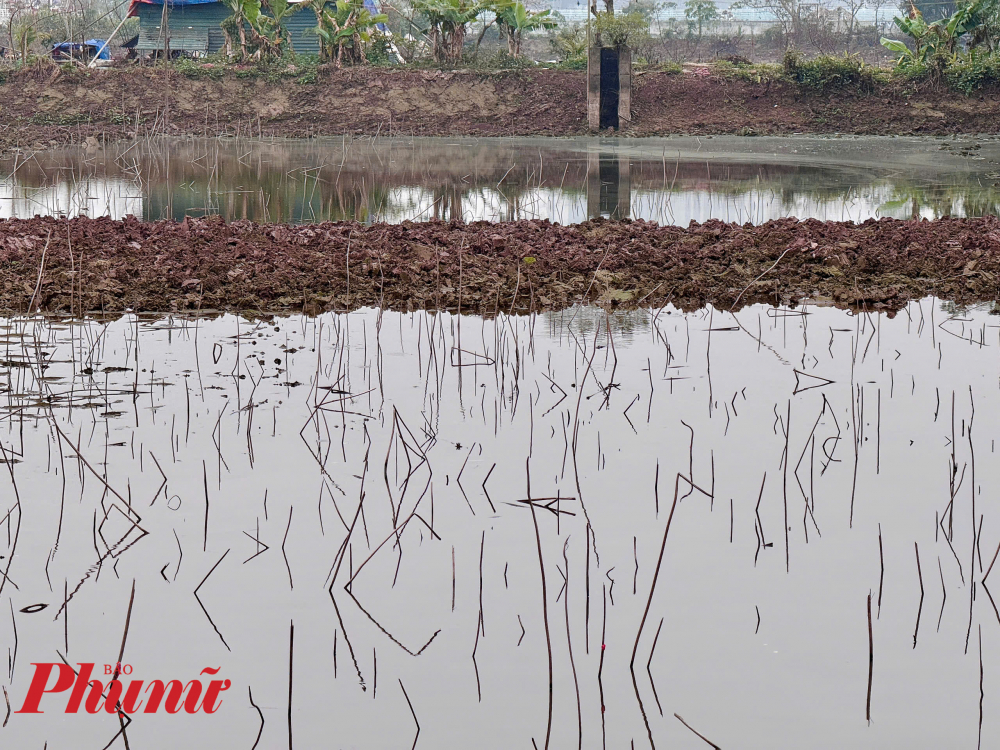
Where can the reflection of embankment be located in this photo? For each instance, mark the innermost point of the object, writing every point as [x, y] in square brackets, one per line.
[88, 196]
[487, 267]
[396, 180]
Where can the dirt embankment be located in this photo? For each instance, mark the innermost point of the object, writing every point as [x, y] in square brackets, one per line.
[47, 107]
[101, 264]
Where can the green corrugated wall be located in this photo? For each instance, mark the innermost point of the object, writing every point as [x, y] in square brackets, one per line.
[209, 16]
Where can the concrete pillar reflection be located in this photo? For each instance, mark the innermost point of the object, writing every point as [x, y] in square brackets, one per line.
[609, 187]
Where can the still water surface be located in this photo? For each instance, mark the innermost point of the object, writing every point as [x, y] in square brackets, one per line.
[667, 180]
[335, 511]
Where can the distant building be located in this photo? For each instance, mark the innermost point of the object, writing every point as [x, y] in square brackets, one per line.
[194, 26]
[576, 12]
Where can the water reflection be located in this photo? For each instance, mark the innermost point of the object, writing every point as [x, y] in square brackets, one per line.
[86, 196]
[375, 521]
[609, 185]
[564, 180]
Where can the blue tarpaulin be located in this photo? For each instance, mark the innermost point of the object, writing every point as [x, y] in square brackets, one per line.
[88, 48]
[372, 8]
[133, 10]
[176, 2]
[97, 44]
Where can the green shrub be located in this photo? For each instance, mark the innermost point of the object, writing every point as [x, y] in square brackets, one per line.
[64, 119]
[379, 52]
[572, 63]
[214, 69]
[301, 68]
[569, 43]
[761, 73]
[629, 28]
[916, 70]
[831, 72]
[974, 71]
[501, 60]
[306, 69]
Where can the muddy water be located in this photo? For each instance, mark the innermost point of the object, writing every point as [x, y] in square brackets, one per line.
[667, 180]
[335, 512]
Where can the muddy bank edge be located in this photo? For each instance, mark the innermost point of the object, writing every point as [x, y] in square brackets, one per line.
[46, 108]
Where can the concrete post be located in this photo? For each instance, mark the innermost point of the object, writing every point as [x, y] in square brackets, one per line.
[624, 84]
[594, 88]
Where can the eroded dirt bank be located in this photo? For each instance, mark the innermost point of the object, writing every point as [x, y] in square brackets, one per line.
[48, 107]
[106, 265]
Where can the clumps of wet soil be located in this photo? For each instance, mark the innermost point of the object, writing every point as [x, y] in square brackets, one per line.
[207, 264]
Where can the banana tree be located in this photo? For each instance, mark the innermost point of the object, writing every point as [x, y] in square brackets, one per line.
[26, 35]
[244, 15]
[343, 28]
[448, 20]
[514, 19]
[273, 34]
[932, 39]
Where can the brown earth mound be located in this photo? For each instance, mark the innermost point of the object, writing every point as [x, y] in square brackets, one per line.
[47, 107]
[708, 104]
[104, 265]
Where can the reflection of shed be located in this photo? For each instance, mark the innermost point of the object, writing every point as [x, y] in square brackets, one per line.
[194, 26]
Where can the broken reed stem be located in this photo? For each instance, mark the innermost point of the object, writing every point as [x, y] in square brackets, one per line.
[569, 645]
[871, 661]
[784, 483]
[415, 720]
[261, 714]
[699, 734]
[920, 608]
[944, 594]
[736, 302]
[128, 620]
[587, 587]
[989, 570]
[649, 668]
[881, 575]
[600, 665]
[291, 654]
[480, 629]
[649, 602]
[545, 619]
[41, 270]
[981, 695]
[204, 473]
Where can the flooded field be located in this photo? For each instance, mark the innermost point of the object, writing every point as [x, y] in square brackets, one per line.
[576, 529]
[667, 180]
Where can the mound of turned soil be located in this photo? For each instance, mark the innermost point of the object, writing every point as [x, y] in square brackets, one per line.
[79, 265]
[701, 103]
[48, 108]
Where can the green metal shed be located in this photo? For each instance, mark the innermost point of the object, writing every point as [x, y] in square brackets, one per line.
[196, 27]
